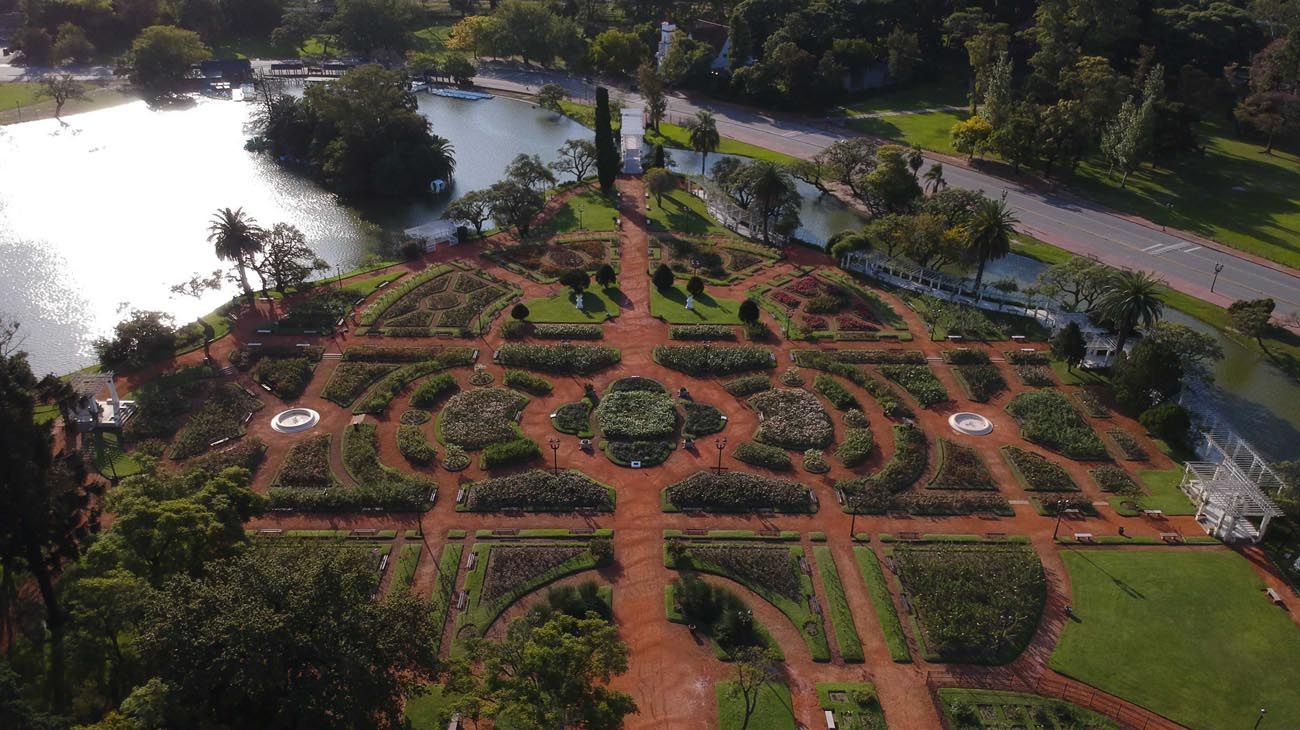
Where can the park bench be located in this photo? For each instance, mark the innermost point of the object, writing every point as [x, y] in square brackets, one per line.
[218, 442]
[996, 535]
[889, 563]
[1084, 537]
[803, 565]
[896, 514]
[512, 511]
[907, 604]
[991, 516]
[909, 535]
[364, 532]
[1153, 514]
[462, 598]
[433, 495]
[695, 532]
[1017, 338]
[473, 558]
[839, 496]
[1171, 537]
[769, 532]
[270, 532]
[1072, 514]
[1273, 596]
[830, 720]
[460, 495]
[583, 531]
[814, 606]
[383, 564]
[505, 531]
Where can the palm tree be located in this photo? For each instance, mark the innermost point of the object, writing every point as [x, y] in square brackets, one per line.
[933, 177]
[236, 237]
[988, 233]
[444, 158]
[771, 187]
[704, 135]
[1131, 298]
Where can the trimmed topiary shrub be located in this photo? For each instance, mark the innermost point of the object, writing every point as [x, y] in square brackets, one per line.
[737, 492]
[768, 457]
[508, 453]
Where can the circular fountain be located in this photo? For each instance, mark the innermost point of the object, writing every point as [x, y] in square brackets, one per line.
[295, 420]
[970, 424]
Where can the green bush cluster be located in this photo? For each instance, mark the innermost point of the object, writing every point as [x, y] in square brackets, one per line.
[702, 419]
[1112, 478]
[889, 400]
[395, 497]
[960, 467]
[875, 494]
[508, 453]
[918, 380]
[1039, 474]
[768, 457]
[982, 382]
[1016, 357]
[718, 613]
[527, 382]
[350, 380]
[560, 331]
[452, 356]
[837, 394]
[413, 445]
[221, 416]
[245, 454]
[433, 389]
[793, 418]
[636, 415]
[559, 359]
[1048, 418]
[307, 465]
[286, 377]
[538, 491]
[773, 568]
[965, 356]
[701, 332]
[1128, 444]
[648, 452]
[574, 418]
[735, 491]
[866, 357]
[856, 446]
[706, 360]
[474, 419]
[747, 385]
[393, 384]
[414, 417]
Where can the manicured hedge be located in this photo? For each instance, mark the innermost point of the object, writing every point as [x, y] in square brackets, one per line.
[837, 394]
[889, 399]
[793, 418]
[636, 415]
[413, 445]
[748, 385]
[573, 418]
[396, 497]
[388, 353]
[648, 452]
[702, 332]
[393, 384]
[981, 382]
[918, 380]
[705, 360]
[286, 377]
[221, 416]
[568, 331]
[1038, 474]
[965, 356]
[527, 382]
[507, 453]
[539, 491]
[702, 419]
[307, 465]
[350, 380]
[1016, 357]
[559, 359]
[856, 446]
[735, 491]
[768, 457]
[432, 390]
[868, 357]
[874, 494]
[1048, 418]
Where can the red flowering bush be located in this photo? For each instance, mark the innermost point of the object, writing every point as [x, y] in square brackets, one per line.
[850, 322]
[814, 322]
[781, 297]
[806, 286]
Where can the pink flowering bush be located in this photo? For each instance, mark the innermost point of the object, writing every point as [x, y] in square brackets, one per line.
[781, 297]
[806, 286]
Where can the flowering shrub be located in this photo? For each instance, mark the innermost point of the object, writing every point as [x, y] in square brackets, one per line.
[506, 453]
[1114, 479]
[568, 331]
[702, 419]
[792, 419]
[394, 383]
[477, 418]
[1128, 444]
[854, 418]
[704, 360]
[383, 353]
[307, 465]
[961, 467]
[527, 382]
[412, 444]
[853, 324]
[806, 286]
[825, 304]
[965, 356]
[573, 418]
[814, 322]
[837, 394]
[773, 568]
[221, 416]
[982, 382]
[649, 453]
[559, 359]
[767, 457]
[1047, 418]
[736, 491]
[455, 459]
[918, 380]
[286, 377]
[1038, 376]
[875, 494]
[856, 446]
[1039, 474]
[432, 390]
[814, 462]
[702, 332]
[748, 385]
[510, 566]
[538, 491]
[781, 297]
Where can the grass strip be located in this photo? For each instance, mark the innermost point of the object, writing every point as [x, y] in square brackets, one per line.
[869, 566]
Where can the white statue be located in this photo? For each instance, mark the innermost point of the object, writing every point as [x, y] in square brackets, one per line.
[690, 303]
[577, 301]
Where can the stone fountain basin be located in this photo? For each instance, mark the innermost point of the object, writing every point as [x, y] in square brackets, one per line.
[295, 420]
[970, 424]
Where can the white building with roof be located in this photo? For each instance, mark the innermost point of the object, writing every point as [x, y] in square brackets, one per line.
[633, 131]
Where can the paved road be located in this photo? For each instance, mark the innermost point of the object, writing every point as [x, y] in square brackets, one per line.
[1073, 224]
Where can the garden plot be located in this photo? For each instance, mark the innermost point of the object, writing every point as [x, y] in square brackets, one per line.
[715, 612]
[638, 422]
[504, 572]
[222, 416]
[825, 305]
[1047, 418]
[792, 418]
[538, 491]
[855, 704]
[305, 481]
[444, 299]
[977, 604]
[1036, 473]
[478, 418]
[718, 261]
[735, 491]
[775, 573]
[307, 465]
[892, 487]
[980, 709]
[546, 261]
[960, 468]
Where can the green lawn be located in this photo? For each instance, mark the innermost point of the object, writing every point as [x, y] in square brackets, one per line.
[869, 566]
[774, 711]
[598, 305]
[846, 632]
[585, 211]
[682, 212]
[1187, 634]
[1078, 376]
[1162, 494]
[407, 561]
[47, 413]
[671, 306]
[18, 92]
[110, 459]
[930, 130]
[858, 710]
[672, 135]
[431, 710]
[920, 96]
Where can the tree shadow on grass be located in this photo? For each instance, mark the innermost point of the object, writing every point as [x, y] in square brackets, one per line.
[1120, 583]
[677, 296]
[677, 216]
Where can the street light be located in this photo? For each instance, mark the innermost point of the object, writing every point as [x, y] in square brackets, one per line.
[1258, 720]
[554, 443]
[1215, 280]
[721, 444]
[1060, 504]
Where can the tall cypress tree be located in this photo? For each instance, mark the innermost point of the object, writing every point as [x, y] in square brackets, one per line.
[606, 147]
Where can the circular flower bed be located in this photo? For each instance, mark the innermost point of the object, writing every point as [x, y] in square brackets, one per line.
[415, 417]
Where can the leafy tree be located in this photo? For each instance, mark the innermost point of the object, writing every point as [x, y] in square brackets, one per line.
[377, 29]
[322, 652]
[286, 261]
[1151, 373]
[552, 675]
[1130, 298]
[576, 157]
[1063, 134]
[1016, 139]
[550, 96]
[1270, 113]
[531, 30]
[754, 669]
[1251, 317]
[161, 56]
[576, 279]
[695, 287]
[236, 237]
[514, 204]
[36, 45]
[478, 35]
[702, 132]
[1196, 351]
[519, 312]
[1126, 140]
[62, 89]
[902, 52]
[971, 136]
[16, 711]
[998, 96]
[659, 182]
[607, 161]
[988, 233]
[1068, 345]
[1168, 422]
[663, 277]
[847, 161]
[474, 207]
[748, 311]
[299, 24]
[933, 179]
[652, 91]
[890, 187]
[144, 337]
[530, 171]
[688, 61]
[776, 200]
[606, 276]
[1076, 284]
[926, 240]
[71, 44]
[617, 52]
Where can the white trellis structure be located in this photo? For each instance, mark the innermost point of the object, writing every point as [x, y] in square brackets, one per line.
[747, 222]
[909, 275]
[90, 413]
[1230, 486]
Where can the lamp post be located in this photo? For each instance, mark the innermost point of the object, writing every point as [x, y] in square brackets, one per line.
[1258, 720]
[721, 444]
[1059, 510]
[554, 443]
[1215, 280]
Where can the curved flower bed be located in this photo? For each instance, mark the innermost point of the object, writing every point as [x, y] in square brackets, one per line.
[793, 418]
[737, 492]
[539, 491]
[479, 418]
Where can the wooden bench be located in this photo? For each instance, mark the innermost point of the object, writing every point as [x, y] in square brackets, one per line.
[270, 532]
[1153, 514]
[895, 514]
[1084, 537]
[460, 495]
[907, 604]
[996, 535]
[505, 531]
[909, 536]
[583, 531]
[1273, 596]
[830, 720]
[1171, 537]
[695, 532]
[988, 516]
[1072, 514]
[473, 558]
[462, 598]
[769, 532]
[365, 532]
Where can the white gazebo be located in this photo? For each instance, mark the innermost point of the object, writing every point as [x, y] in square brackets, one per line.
[433, 233]
[633, 131]
[1230, 487]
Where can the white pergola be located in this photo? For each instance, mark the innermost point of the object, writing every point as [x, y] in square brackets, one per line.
[89, 412]
[632, 132]
[1230, 487]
